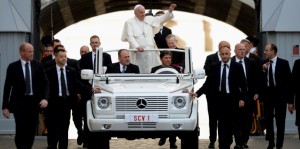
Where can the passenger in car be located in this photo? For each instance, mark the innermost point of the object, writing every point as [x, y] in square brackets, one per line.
[166, 60]
[177, 57]
[124, 65]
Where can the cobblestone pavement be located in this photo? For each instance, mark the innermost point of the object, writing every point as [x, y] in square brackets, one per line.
[291, 142]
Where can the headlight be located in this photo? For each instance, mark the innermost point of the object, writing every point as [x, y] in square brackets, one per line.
[179, 102]
[103, 103]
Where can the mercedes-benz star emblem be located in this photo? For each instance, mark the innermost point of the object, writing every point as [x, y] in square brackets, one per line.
[141, 103]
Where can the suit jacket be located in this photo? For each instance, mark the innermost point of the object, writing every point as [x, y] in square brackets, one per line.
[154, 69]
[255, 58]
[210, 59]
[178, 58]
[296, 88]
[86, 61]
[115, 68]
[46, 59]
[160, 38]
[15, 88]
[74, 85]
[282, 80]
[251, 76]
[236, 81]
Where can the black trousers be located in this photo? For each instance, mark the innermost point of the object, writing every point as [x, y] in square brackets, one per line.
[26, 118]
[242, 126]
[58, 123]
[212, 118]
[224, 114]
[78, 114]
[275, 106]
[172, 139]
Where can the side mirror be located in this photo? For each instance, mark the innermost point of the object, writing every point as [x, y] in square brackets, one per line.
[87, 74]
[199, 73]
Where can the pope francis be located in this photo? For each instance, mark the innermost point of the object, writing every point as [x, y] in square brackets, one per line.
[139, 31]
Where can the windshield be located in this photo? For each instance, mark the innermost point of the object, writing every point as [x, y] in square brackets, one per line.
[155, 61]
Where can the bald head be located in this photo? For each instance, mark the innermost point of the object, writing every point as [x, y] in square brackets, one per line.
[84, 50]
[224, 44]
[240, 51]
[26, 51]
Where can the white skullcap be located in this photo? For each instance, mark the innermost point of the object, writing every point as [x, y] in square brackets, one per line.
[137, 6]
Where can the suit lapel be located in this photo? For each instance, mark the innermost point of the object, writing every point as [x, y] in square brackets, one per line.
[219, 71]
[55, 79]
[20, 69]
[68, 76]
[277, 67]
[247, 66]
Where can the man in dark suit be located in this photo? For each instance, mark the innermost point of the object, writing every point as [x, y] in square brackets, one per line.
[160, 37]
[87, 62]
[227, 86]
[124, 65]
[211, 59]
[77, 112]
[178, 58]
[276, 94]
[63, 86]
[243, 121]
[25, 92]
[250, 55]
[166, 60]
[54, 43]
[296, 89]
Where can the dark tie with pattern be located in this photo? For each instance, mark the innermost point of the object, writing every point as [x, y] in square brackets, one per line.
[271, 80]
[63, 84]
[223, 81]
[241, 62]
[123, 69]
[27, 79]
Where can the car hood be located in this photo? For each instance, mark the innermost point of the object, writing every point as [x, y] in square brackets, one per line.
[146, 86]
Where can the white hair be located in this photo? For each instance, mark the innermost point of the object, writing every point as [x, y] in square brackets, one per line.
[137, 6]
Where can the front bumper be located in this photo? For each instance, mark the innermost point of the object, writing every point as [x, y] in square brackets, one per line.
[163, 125]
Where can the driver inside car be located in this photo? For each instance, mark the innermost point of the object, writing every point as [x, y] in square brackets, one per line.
[166, 60]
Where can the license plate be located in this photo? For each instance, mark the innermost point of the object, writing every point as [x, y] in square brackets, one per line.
[141, 117]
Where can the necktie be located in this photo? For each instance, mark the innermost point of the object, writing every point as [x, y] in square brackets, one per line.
[123, 69]
[63, 84]
[27, 79]
[94, 63]
[241, 62]
[271, 80]
[223, 81]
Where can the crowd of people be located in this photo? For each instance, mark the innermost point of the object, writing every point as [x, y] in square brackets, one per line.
[232, 87]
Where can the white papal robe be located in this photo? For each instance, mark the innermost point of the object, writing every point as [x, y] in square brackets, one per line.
[141, 34]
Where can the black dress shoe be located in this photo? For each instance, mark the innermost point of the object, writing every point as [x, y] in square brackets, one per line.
[84, 145]
[173, 145]
[79, 139]
[271, 145]
[162, 141]
[211, 145]
[245, 146]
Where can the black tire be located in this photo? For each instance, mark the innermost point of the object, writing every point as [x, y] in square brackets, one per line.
[190, 140]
